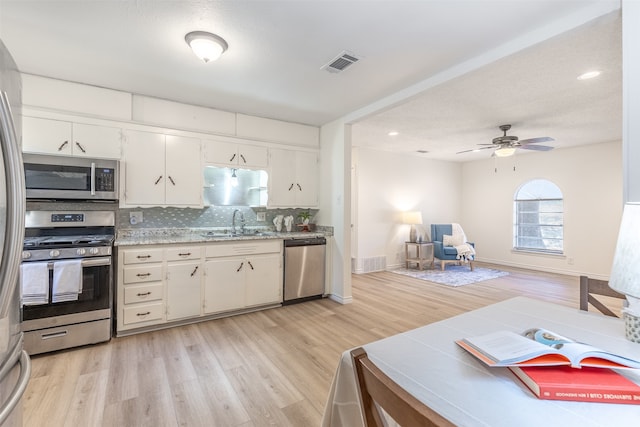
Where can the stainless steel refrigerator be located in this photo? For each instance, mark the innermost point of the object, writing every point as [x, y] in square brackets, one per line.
[15, 366]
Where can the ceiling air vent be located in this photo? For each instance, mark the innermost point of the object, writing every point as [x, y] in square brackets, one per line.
[342, 61]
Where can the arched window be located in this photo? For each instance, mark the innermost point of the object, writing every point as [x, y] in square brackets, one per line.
[538, 217]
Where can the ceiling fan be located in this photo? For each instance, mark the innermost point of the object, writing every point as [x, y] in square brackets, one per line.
[506, 145]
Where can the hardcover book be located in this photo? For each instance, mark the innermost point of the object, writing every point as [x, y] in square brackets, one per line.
[584, 385]
[540, 347]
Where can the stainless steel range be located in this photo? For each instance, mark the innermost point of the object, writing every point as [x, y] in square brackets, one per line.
[66, 279]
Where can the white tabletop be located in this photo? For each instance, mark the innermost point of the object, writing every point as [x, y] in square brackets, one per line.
[427, 363]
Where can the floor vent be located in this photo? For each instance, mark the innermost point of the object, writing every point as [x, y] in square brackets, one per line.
[368, 265]
[341, 62]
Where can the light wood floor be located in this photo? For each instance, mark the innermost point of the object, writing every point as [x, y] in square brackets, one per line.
[272, 367]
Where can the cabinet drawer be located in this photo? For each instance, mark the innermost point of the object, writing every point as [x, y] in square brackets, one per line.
[243, 248]
[142, 256]
[143, 313]
[187, 252]
[143, 273]
[142, 293]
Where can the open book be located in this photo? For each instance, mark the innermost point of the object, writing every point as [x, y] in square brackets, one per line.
[539, 347]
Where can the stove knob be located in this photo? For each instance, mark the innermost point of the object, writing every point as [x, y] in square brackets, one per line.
[81, 251]
[94, 251]
[26, 255]
[54, 253]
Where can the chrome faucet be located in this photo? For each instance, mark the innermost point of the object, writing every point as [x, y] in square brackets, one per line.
[233, 221]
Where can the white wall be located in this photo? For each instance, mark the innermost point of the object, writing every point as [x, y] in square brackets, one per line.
[335, 209]
[590, 178]
[390, 183]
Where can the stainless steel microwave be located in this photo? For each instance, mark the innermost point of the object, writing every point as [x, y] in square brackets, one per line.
[70, 178]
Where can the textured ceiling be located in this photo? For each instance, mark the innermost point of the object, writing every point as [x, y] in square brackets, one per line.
[277, 48]
[535, 90]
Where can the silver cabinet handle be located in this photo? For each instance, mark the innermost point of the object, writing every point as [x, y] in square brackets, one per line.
[250, 265]
[143, 256]
[291, 186]
[143, 275]
[143, 294]
[232, 157]
[184, 254]
[194, 271]
[299, 187]
[171, 179]
[62, 145]
[158, 180]
[80, 147]
[243, 159]
[146, 313]
[240, 268]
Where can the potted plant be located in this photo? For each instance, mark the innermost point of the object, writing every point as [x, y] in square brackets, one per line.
[304, 217]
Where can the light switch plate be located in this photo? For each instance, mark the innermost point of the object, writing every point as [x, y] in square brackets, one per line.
[261, 216]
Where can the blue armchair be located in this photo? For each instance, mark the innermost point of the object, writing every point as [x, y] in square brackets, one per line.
[445, 254]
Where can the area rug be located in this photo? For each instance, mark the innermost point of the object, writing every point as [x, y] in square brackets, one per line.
[453, 275]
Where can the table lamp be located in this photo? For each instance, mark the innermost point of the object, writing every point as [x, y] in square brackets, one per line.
[413, 218]
[625, 273]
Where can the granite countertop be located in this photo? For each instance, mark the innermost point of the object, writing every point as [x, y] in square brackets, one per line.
[158, 236]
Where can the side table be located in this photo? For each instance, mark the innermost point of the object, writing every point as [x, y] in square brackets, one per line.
[423, 252]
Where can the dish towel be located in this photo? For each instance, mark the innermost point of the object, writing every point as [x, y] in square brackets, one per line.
[34, 283]
[67, 280]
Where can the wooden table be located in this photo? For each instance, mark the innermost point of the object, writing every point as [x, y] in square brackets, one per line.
[427, 363]
[423, 252]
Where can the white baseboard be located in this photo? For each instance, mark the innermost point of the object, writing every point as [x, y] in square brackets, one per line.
[340, 299]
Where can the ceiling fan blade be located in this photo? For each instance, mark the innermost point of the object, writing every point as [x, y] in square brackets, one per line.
[535, 140]
[473, 149]
[536, 147]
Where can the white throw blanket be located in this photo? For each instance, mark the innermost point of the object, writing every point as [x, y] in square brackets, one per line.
[465, 251]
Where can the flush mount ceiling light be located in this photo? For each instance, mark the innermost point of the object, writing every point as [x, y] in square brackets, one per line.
[589, 75]
[393, 133]
[206, 46]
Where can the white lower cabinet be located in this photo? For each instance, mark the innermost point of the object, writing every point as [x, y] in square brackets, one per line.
[184, 284]
[140, 292]
[224, 288]
[160, 284]
[242, 275]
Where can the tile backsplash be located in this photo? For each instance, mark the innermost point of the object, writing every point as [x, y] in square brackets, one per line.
[214, 216]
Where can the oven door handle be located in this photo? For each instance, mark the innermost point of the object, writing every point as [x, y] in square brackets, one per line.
[93, 179]
[89, 262]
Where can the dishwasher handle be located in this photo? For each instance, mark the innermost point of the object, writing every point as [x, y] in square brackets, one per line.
[310, 241]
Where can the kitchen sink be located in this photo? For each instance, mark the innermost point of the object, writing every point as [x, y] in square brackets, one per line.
[222, 234]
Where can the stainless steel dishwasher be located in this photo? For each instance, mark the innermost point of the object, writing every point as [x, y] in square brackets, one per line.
[304, 261]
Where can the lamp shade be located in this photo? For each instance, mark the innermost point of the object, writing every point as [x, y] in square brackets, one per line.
[412, 217]
[625, 273]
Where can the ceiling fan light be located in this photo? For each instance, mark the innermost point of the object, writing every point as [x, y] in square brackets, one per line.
[206, 46]
[505, 151]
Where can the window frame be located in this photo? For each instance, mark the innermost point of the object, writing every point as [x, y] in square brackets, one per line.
[519, 211]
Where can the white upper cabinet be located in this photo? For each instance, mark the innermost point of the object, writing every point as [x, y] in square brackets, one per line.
[293, 178]
[233, 154]
[162, 170]
[72, 139]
